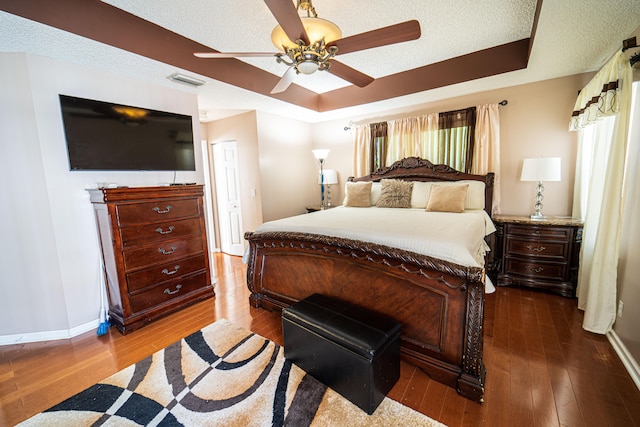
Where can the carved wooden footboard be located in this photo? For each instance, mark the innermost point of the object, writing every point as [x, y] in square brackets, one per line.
[439, 304]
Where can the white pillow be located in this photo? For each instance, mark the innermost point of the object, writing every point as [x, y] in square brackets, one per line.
[475, 195]
[420, 194]
[376, 192]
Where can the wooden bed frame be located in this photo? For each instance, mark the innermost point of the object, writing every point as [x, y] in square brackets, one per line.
[439, 304]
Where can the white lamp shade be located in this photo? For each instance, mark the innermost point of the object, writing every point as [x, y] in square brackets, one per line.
[330, 177]
[541, 169]
[321, 154]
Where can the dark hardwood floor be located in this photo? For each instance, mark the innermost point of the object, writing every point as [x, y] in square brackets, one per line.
[543, 369]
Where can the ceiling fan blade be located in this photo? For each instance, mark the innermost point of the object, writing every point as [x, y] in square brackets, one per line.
[287, 16]
[287, 78]
[350, 74]
[233, 54]
[405, 31]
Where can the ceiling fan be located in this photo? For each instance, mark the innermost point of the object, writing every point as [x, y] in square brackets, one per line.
[309, 44]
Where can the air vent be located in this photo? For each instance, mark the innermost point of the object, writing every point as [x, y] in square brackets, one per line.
[187, 80]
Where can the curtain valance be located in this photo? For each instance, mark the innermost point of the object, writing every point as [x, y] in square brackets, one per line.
[599, 98]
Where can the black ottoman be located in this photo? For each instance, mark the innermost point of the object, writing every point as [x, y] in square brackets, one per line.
[354, 351]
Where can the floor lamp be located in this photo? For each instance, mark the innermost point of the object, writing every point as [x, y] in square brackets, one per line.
[321, 155]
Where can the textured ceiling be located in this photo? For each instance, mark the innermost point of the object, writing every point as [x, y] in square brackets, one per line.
[572, 36]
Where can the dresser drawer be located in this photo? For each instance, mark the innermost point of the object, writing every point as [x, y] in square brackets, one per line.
[160, 210]
[543, 249]
[162, 252]
[536, 269]
[157, 232]
[167, 291]
[557, 233]
[173, 270]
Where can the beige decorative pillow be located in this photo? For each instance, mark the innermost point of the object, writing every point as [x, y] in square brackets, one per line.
[395, 194]
[447, 198]
[358, 195]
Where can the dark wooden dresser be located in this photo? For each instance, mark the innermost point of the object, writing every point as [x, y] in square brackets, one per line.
[154, 247]
[541, 254]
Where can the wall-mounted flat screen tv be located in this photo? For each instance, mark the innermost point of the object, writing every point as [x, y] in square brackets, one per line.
[113, 137]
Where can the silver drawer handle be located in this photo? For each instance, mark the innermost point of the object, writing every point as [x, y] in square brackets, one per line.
[534, 269]
[163, 252]
[161, 231]
[168, 292]
[169, 273]
[536, 248]
[166, 210]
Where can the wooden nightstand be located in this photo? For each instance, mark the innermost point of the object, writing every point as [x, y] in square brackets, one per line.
[541, 254]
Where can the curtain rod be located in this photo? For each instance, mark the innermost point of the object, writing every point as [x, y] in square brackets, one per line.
[502, 103]
[631, 44]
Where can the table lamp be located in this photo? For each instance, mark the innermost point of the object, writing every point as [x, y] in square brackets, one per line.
[540, 169]
[328, 178]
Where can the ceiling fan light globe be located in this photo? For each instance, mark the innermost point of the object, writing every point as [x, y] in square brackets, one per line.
[307, 67]
[316, 28]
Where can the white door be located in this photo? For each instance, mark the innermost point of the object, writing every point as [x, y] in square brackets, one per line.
[225, 160]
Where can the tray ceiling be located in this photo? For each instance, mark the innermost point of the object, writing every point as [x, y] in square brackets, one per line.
[465, 47]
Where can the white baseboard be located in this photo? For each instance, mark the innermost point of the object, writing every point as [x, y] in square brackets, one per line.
[627, 358]
[49, 335]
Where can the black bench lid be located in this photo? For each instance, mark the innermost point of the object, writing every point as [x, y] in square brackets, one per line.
[356, 328]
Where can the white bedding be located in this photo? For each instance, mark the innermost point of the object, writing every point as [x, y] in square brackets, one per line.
[454, 237]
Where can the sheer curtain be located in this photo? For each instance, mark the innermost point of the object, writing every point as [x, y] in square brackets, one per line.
[428, 137]
[361, 150]
[602, 111]
[404, 138]
[486, 152]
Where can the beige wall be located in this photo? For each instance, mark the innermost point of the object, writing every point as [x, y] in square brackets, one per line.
[49, 253]
[243, 130]
[629, 259]
[534, 123]
[287, 166]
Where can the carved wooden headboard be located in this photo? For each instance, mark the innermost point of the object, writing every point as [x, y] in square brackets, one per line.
[417, 169]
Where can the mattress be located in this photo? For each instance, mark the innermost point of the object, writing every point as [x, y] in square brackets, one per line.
[455, 237]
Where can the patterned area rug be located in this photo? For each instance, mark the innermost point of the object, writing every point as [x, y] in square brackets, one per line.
[221, 375]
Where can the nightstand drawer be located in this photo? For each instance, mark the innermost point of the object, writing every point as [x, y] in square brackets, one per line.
[543, 249]
[538, 270]
[558, 233]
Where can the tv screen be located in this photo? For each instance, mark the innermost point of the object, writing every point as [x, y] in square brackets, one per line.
[109, 137]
